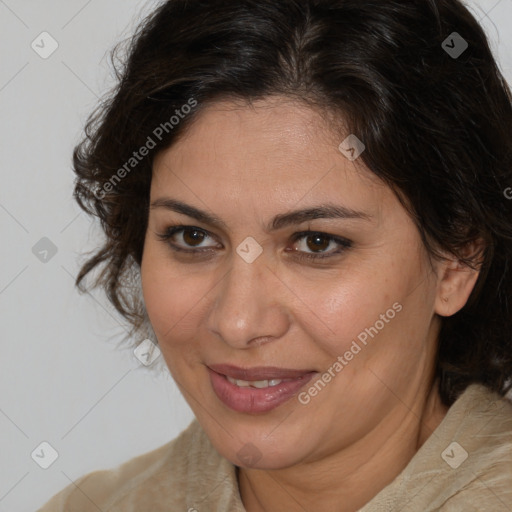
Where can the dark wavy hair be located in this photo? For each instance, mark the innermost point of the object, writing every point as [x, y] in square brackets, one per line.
[437, 126]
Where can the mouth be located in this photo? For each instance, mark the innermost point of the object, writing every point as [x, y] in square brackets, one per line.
[256, 390]
[259, 384]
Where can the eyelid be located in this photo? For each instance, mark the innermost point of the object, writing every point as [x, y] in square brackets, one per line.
[339, 239]
[342, 242]
[343, 245]
[172, 230]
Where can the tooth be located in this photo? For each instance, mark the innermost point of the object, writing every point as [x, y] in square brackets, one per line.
[256, 383]
[259, 384]
[240, 383]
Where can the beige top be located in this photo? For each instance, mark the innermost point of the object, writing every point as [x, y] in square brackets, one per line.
[465, 465]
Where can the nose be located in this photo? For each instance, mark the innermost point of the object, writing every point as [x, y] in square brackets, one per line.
[249, 305]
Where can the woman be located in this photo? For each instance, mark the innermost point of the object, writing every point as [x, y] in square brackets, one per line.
[311, 195]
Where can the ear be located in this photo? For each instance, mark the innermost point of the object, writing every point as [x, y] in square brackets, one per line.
[456, 280]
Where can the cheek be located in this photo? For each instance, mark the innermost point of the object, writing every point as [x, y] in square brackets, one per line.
[173, 306]
[348, 302]
[339, 311]
[366, 305]
[172, 297]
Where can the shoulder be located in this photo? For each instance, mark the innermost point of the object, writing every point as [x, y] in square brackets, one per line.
[485, 474]
[471, 454]
[465, 464]
[159, 479]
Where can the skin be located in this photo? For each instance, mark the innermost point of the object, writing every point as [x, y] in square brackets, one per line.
[246, 164]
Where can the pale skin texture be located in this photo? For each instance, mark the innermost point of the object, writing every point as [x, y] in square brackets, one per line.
[246, 164]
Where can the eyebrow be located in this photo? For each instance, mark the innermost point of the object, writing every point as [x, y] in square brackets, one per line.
[325, 211]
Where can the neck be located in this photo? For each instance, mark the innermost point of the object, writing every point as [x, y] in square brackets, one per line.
[345, 481]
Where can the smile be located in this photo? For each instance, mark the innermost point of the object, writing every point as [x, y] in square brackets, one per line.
[256, 390]
[260, 384]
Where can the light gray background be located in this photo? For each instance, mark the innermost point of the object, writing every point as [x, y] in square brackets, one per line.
[61, 379]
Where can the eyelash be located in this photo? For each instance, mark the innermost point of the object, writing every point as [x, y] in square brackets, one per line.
[342, 242]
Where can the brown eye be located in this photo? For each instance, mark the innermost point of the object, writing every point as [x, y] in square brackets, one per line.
[315, 246]
[187, 238]
[193, 237]
[315, 243]
[318, 242]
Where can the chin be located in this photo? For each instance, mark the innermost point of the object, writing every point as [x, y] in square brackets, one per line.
[265, 445]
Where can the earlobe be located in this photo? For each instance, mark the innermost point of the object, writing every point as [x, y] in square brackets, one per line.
[456, 282]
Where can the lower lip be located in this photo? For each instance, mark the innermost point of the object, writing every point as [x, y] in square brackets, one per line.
[254, 400]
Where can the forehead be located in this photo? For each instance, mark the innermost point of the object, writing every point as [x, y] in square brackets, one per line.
[276, 124]
[276, 153]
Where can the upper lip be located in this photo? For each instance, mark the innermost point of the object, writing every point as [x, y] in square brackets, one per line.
[258, 372]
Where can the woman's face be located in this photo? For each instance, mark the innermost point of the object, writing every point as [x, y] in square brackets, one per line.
[341, 345]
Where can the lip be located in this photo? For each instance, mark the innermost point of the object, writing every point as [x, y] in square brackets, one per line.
[251, 400]
[257, 372]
